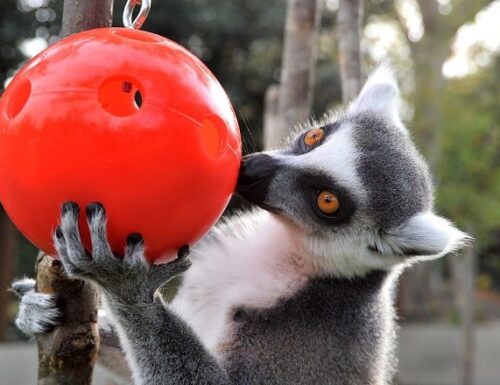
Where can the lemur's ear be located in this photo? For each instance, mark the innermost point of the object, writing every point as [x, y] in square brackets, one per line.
[380, 94]
[424, 234]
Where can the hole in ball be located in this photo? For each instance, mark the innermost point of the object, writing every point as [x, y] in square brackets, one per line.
[120, 97]
[138, 99]
[213, 135]
[18, 97]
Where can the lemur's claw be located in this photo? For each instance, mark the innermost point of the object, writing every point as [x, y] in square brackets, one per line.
[129, 279]
[183, 252]
[70, 207]
[94, 208]
[134, 239]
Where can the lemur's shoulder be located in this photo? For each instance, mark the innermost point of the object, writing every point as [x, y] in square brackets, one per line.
[249, 260]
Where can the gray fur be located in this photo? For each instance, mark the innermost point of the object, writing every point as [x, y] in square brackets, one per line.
[393, 172]
[38, 312]
[330, 332]
[161, 348]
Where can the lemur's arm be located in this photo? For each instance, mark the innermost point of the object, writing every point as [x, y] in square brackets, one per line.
[39, 313]
[159, 346]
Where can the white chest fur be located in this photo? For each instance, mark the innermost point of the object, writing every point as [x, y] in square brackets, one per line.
[249, 261]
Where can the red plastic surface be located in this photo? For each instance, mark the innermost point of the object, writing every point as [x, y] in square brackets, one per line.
[123, 117]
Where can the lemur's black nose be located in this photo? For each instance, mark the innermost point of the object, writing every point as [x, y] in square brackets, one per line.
[256, 172]
[255, 167]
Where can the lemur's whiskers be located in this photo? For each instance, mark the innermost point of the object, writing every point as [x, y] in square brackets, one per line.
[247, 128]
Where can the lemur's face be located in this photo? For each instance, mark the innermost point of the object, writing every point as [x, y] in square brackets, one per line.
[356, 177]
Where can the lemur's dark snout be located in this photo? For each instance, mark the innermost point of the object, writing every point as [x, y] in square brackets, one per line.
[256, 172]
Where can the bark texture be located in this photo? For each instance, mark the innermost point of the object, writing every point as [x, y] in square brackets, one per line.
[349, 17]
[297, 69]
[66, 356]
[80, 15]
[464, 277]
[272, 136]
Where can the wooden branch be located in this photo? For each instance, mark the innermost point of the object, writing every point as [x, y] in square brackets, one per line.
[297, 70]
[349, 17]
[66, 356]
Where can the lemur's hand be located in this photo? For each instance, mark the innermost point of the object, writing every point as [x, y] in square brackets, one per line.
[38, 312]
[130, 279]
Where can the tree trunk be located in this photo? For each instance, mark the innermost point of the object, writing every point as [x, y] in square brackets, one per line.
[464, 273]
[7, 254]
[297, 71]
[349, 17]
[468, 325]
[67, 355]
[80, 15]
[272, 137]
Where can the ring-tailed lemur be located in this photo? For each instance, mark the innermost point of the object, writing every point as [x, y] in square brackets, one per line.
[297, 291]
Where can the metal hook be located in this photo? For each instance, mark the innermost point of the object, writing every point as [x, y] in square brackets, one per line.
[128, 11]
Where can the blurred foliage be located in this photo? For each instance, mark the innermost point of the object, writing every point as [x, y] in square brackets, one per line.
[469, 174]
[241, 42]
[469, 170]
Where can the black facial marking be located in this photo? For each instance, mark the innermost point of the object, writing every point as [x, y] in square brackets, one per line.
[312, 183]
[299, 147]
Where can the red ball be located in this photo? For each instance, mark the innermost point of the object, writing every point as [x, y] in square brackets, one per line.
[122, 117]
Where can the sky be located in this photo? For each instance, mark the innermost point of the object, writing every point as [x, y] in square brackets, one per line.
[483, 32]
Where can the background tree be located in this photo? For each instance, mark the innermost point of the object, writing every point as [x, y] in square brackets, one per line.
[8, 253]
[298, 64]
[349, 17]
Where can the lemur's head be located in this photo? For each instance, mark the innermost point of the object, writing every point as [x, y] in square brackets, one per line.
[356, 185]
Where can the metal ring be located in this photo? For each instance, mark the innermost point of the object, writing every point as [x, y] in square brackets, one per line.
[128, 11]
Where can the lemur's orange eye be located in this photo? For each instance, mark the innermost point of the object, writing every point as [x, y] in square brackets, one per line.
[313, 137]
[327, 202]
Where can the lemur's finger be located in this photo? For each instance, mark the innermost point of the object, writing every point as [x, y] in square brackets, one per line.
[70, 214]
[167, 271]
[59, 242]
[96, 218]
[134, 251]
[22, 286]
[183, 252]
[75, 261]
